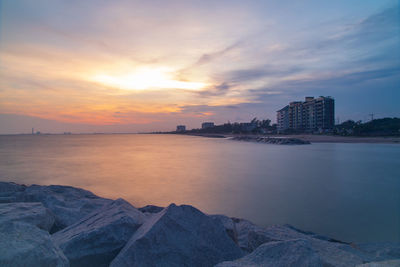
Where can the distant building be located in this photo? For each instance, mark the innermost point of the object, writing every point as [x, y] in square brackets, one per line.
[283, 118]
[314, 114]
[206, 125]
[180, 128]
[248, 126]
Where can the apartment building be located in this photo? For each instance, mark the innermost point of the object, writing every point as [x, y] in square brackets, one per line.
[314, 114]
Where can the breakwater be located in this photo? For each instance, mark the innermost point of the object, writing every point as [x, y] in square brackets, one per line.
[67, 226]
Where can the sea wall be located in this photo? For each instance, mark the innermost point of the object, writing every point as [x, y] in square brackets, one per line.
[67, 226]
[271, 140]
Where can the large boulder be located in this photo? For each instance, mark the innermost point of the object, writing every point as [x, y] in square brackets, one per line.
[23, 244]
[178, 236]
[32, 213]
[331, 251]
[381, 251]
[151, 209]
[229, 226]
[244, 233]
[388, 263]
[68, 204]
[296, 252]
[98, 238]
[251, 236]
[9, 190]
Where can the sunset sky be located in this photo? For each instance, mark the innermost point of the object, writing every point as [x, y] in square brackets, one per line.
[128, 66]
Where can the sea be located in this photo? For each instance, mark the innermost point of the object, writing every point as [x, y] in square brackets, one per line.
[350, 192]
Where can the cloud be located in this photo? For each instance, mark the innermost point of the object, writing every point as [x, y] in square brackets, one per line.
[250, 74]
[366, 40]
[217, 90]
[207, 58]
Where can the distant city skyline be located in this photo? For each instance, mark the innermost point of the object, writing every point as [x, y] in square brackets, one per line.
[134, 66]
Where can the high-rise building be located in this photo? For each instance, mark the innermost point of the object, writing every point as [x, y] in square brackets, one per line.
[314, 114]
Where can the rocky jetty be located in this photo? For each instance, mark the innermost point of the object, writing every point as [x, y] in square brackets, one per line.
[271, 140]
[97, 239]
[67, 226]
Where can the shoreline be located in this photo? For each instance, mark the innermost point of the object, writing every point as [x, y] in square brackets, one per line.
[305, 137]
[313, 138]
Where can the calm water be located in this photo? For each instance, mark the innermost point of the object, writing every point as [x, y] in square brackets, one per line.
[347, 191]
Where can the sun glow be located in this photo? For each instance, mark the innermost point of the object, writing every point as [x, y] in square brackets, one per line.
[146, 78]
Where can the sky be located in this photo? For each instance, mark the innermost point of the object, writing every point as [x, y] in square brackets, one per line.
[138, 66]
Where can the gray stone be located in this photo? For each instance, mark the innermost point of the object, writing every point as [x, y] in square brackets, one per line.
[151, 209]
[32, 213]
[332, 252]
[296, 252]
[229, 226]
[23, 244]
[98, 238]
[271, 140]
[9, 190]
[68, 204]
[178, 236]
[389, 263]
[10, 187]
[250, 236]
[381, 251]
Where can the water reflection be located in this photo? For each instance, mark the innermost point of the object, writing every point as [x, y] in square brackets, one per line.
[348, 191]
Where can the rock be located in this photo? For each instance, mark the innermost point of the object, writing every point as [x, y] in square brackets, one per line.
[10, 187]
[23, 244]
[331, 252]
[178, 236]
[271, 140]
[68, 204]
[296, 252]
[244, 233]
[32, 213]
[151, 209]
[98, 238]
[389, 263]
[8, 191]
[381, 251]
[250, 236]
[229, 226]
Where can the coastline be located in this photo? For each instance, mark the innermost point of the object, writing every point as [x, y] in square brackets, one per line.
[305, 137]
[313, 138]
[63, 225]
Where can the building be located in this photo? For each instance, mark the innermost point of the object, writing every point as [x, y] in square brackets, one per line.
[314, 114]
[283, 118]
[180, 128]
[206, 125]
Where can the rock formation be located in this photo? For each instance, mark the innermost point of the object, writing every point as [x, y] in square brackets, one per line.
[93, 231]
